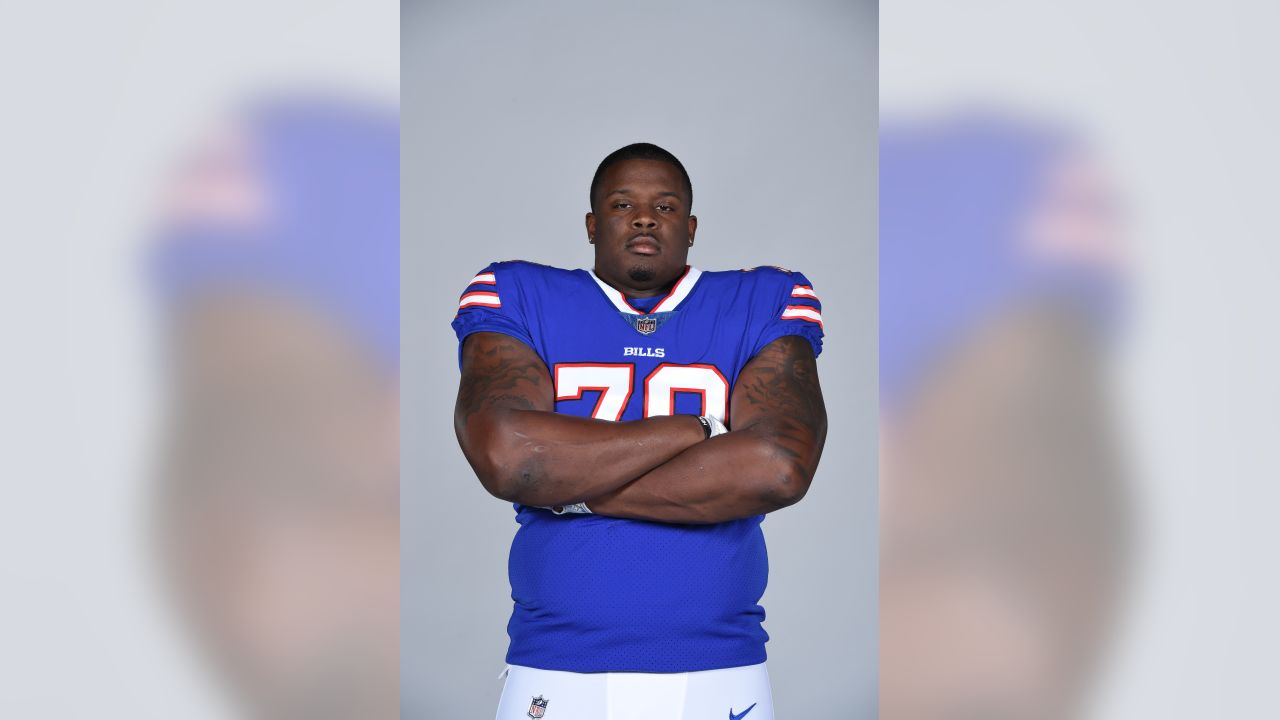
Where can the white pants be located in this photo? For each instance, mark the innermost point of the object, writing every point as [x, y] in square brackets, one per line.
[740, 693]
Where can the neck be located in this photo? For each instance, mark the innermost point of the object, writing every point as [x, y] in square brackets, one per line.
[627, 287]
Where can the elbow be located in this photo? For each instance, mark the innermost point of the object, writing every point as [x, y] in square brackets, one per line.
[498, 463]
[787, 468]
[786, 487]
[490, 472]
[510, 481]
[510, 485]
[508, 476]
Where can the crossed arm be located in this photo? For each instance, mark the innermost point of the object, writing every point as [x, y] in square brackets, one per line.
[659, 468]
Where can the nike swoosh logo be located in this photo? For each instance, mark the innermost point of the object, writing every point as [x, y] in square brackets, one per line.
[743, 714]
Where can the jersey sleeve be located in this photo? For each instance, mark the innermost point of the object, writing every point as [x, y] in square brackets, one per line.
[491, 303]
[794, 309]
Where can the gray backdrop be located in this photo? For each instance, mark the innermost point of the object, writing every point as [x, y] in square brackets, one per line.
[507, 109]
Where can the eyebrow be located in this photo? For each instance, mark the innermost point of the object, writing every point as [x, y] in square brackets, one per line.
[624, 191]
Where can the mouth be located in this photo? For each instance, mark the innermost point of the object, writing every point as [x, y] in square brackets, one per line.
[644, 245]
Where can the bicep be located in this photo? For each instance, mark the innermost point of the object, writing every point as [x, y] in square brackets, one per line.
[779, 389]
[500, 372]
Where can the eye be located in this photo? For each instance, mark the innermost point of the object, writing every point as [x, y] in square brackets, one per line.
[665, 208]
[621, 205]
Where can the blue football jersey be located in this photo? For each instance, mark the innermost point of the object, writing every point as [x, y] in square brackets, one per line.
[600, 594]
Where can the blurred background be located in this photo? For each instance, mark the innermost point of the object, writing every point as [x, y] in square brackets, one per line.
[1076, 350]
[200, 513]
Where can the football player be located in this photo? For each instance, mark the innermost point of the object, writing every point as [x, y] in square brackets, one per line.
[643, 416]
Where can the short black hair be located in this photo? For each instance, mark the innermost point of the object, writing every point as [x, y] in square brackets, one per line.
[639, 151]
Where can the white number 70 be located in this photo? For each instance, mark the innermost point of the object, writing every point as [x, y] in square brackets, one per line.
[615, 382]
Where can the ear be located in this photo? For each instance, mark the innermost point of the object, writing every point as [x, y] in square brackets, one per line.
[591, 228]
[693, 227]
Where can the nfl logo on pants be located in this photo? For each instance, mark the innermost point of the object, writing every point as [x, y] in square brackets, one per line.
[538, 707]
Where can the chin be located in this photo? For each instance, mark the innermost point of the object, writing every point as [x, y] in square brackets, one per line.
[641, 273]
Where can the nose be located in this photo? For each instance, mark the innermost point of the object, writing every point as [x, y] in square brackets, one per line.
[644, 220]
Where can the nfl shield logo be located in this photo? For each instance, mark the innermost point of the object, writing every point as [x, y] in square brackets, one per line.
[646, 325]
[538, 707]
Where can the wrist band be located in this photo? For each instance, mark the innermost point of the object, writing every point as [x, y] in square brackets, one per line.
[576, 508]
[717, 427]
[706, 426]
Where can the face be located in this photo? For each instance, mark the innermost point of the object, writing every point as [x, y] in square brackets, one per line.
[641, 226]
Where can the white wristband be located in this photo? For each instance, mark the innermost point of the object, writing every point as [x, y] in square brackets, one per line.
[576, 508]
[717, 427]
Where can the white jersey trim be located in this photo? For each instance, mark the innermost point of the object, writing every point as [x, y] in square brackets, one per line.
[802, 312]
[682, 288]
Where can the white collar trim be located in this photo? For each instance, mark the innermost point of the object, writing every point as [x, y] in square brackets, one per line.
[682, 288]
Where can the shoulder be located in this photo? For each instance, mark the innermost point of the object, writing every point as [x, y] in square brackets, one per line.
[514, 267]
[775, 270]
[765, 279]
[517, 272]
[774, 273]
[513, 284]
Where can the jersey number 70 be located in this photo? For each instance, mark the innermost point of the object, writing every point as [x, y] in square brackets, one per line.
[616, 381]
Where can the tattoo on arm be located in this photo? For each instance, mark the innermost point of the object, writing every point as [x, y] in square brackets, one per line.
[501, 372]
[778, 392]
